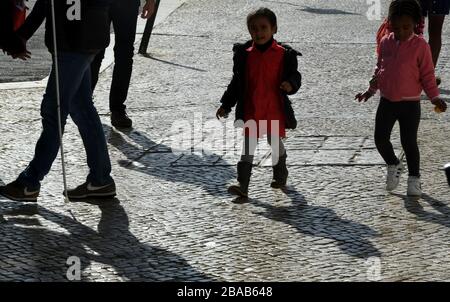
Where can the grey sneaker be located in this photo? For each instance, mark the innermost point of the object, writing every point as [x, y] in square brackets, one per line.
[414, 186]
[87, 190]
[393, 176]
[18, 192]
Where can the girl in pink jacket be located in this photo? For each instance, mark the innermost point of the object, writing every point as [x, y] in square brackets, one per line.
[404, 68]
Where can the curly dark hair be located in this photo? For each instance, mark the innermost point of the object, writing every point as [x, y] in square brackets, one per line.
[411, 8]
[262, 12]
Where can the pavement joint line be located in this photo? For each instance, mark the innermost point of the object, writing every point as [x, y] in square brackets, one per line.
[181, 35]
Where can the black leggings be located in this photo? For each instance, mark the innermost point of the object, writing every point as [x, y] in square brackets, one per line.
[407, 113]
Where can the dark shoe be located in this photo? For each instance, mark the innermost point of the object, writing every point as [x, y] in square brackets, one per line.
[244, 171]
[438, 81]
[18, 192]
[280, 173]
[238, 190]
[87, 190]
[120, 120]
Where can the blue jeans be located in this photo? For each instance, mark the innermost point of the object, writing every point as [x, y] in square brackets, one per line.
[76, 100]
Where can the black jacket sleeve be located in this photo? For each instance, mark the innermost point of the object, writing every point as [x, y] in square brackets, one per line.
[34, 20]
[293, 76]
[6, 23]
[9, 41]
[230, 97]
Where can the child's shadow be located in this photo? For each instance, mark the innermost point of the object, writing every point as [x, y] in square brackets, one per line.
[322, 222]
[112, 245]
[413, 206]
[200, 172]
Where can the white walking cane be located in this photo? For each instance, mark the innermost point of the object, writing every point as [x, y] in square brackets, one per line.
[58, 101]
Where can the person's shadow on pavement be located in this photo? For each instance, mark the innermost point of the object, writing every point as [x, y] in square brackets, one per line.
[413, 206]
[213, 179]
[322, 222]
[42, 254]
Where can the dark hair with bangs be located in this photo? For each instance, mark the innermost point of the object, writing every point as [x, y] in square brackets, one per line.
[262, 12]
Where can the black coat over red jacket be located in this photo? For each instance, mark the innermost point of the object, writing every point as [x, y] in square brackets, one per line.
[235, 93]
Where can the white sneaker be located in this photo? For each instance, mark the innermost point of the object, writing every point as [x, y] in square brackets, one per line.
[393, 176]
[414, 186]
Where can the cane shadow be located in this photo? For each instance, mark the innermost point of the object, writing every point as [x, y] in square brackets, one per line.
[316, 221]
[212, 179]
[112, 246]
[149, 56]
[326, 11]
[283, 2]
[413, 206]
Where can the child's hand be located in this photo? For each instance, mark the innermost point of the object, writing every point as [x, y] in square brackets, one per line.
[440, 104]
[363, 96]
[221, 112]
[286, 87]
[23, 56]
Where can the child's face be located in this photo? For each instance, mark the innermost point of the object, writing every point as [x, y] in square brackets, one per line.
[261, 30]
[403, 27]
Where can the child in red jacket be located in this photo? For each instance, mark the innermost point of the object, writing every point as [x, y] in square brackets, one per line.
[264, 73]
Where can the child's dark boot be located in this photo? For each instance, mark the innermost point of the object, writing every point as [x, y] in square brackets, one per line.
[280, 173]
[244, 171]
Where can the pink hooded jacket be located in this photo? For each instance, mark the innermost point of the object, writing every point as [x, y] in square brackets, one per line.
[404, 69]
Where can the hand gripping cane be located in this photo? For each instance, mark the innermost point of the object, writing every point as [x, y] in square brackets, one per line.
[58, 100]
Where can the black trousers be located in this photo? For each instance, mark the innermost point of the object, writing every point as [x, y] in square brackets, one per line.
[123, 14]
[407, 113]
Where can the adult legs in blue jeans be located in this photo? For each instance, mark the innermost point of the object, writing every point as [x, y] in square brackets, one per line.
[76, 99]
[85, 116]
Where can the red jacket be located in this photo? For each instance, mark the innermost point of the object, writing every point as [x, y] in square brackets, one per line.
[264, 100]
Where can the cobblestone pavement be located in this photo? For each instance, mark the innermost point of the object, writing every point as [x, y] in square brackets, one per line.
[173, 219]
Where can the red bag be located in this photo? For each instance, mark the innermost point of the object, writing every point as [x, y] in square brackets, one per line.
[19, 13]
[382, 32]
